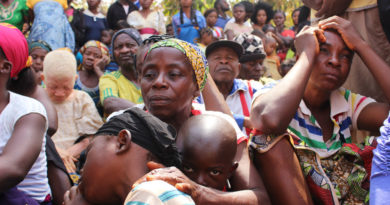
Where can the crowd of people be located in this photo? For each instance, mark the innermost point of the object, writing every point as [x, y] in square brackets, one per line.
[127, 108]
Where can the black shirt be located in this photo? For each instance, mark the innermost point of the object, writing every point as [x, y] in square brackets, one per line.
[117, 12]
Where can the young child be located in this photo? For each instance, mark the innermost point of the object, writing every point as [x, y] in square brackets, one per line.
[271, 62]
[286, 66]
[38, 50]
[233, 29]
[208, 144]
[211, 16]
[206, 38]
[77, 114]
[106, 37]
[170, 30]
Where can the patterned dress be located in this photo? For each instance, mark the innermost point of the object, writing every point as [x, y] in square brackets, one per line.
[51, 25]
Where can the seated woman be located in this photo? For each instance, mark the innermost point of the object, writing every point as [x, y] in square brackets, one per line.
[95, 58]
[319, 116]
[172, 74]
[23, 124]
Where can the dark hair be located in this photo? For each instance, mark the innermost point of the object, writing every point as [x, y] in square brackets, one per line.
[24, 84]
[208, 12]
[169, 25]
[266, 27]
[2, 54]
[280, 11]
[193, 18]
[238, 5]
[205, 31]
[263, 6]
[295, 10]
[249, 8]
[121, 24]
[110, 31]
[302, 18]
[216, 3]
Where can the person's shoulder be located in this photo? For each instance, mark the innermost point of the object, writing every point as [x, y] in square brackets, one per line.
[114, 74]
[22, 105]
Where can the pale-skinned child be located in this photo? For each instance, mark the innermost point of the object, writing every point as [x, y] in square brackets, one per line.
[78, 117]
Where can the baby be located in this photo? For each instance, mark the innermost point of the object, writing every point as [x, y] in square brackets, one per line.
[77, 114]
[208, 145]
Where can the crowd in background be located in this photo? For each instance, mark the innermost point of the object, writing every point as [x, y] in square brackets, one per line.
[241, 109]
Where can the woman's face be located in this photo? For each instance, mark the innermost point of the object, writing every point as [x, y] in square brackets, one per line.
[38, 55]
[332, 64]
[279, 19]
[93, 3]
[261, 17]
[168, 83]
[90, 56]
[212, 19]
[239, 13]
[185, 3]
[146, 3]
[295, 17]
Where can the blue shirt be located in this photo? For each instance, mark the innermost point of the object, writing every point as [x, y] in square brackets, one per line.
[188, 31]
[94, 24]
[380, 173]
[221, 21]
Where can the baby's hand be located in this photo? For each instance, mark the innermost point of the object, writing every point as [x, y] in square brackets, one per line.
[345, 28]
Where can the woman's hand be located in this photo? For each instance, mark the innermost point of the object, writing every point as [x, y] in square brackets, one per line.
[68, 160]
[351, 38]
[173, 176]
[74, 197]
[100, 65]
[309, 39]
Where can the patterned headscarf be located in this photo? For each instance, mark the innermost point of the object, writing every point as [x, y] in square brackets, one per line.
[14, 46]
[252, 45]
[194, 55]
[39, 44]
[103, 48]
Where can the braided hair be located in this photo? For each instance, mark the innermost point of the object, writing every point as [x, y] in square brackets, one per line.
[193, 18]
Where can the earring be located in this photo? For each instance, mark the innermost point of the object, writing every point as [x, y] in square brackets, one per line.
[228, 184]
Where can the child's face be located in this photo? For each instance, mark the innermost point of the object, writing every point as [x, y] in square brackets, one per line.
[90, 56]
[209, 168]
[212, 19]
[106, 38]
[279, 19]
[239, 13]
[59, 88]
[170, 31]
[207, 39]
[261, 17]
[38, 55]
[269, 47]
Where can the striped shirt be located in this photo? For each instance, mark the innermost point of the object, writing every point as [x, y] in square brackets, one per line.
[115, 84]
[345, 108]
[157, 193]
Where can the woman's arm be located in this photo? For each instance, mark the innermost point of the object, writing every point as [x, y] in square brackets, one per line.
[21, 150]
[282, 174]
[273, 111]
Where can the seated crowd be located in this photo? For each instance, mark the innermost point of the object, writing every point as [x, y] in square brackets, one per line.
[208, 110]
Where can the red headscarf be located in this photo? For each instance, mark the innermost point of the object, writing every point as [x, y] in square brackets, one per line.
[14, 46]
